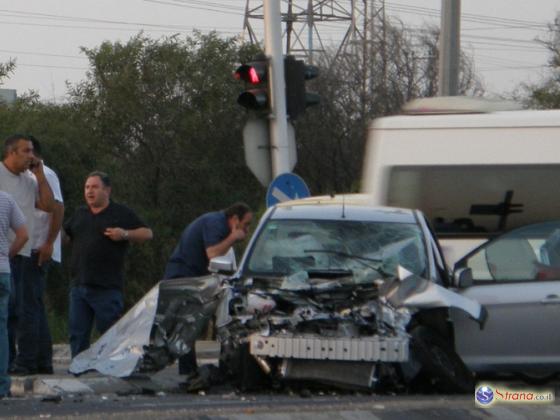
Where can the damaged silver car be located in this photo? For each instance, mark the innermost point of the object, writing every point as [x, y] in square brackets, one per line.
[329, 291]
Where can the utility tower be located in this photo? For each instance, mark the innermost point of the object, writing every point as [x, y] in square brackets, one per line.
[312, 28]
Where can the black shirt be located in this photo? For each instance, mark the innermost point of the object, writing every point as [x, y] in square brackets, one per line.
[97, 260]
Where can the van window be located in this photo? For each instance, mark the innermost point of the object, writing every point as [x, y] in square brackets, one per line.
[477, 200]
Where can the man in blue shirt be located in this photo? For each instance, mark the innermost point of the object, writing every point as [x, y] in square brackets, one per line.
[208, 236]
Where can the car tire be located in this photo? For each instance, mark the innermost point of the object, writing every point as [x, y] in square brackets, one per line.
[242, 369]
[442, 370]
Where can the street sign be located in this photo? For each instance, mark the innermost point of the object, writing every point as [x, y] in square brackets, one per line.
[256, 144]
[257, 149]
[286, 187]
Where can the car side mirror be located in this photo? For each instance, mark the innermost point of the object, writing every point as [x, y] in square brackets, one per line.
[224, 264]
[462, 278]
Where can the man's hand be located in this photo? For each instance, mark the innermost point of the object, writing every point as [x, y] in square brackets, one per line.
[116, 234]
[36, 166]
[238, 233]
[45, 253]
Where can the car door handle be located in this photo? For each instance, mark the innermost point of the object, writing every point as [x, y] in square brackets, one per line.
[550, 299]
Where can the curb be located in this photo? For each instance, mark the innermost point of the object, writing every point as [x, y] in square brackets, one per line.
[62, 386]
[58, 385]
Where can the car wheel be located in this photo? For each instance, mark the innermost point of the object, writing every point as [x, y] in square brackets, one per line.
[240, 367]
[537, 378]
[442, 370]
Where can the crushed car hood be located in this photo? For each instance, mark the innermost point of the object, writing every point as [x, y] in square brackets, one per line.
[166, 322]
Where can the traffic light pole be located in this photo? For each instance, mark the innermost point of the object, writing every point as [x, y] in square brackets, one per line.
[279, 145]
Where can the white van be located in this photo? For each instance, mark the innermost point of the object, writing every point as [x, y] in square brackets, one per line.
[473, 174]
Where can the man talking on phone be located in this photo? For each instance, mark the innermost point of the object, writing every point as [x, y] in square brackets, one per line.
[22, 176]
[210, 235]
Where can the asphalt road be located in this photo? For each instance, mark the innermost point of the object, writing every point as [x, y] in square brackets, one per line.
[230, 405]
[160, 396]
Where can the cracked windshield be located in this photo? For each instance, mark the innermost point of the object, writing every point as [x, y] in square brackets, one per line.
[286, 247]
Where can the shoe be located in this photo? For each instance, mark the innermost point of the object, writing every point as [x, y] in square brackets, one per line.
[47, 370]
[8, 395]
[17, 370]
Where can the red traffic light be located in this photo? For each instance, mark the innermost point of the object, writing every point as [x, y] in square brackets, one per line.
[253, 73]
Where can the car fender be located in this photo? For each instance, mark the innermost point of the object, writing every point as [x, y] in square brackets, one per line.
[433, 295]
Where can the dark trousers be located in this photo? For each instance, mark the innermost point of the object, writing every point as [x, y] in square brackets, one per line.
[5, 285]
[15, 305]
[89, 303]
[34, 337]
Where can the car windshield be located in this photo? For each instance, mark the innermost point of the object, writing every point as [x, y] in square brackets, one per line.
[286, 247]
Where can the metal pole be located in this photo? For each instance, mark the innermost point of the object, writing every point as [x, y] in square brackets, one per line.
[449, 47]
[278, 123]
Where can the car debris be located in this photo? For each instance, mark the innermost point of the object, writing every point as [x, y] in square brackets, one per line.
[337, 332]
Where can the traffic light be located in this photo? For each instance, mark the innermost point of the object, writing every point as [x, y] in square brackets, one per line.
[296, 72]
[254, 74]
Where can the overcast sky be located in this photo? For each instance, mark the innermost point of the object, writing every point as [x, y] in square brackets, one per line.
[45, 36]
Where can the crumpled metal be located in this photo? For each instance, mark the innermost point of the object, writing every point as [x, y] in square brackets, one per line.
[162, 326]
[166, 322]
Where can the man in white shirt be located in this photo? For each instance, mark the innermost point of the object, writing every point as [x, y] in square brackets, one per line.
[34, 342]
[22, 176]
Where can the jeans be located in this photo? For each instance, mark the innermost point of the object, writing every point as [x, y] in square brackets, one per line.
[5, 287]
[87, 303]
[34, 337]
[16, 302]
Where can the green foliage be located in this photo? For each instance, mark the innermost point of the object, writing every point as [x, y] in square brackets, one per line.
[167, 130]
[160, 117]
[354, 89]
[546, 94]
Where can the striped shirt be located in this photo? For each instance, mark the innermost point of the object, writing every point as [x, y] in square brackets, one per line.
[12, 218]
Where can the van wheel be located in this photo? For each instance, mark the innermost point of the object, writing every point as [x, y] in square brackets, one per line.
[442, 370]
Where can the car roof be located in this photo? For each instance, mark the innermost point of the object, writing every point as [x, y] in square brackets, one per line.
[348, 207]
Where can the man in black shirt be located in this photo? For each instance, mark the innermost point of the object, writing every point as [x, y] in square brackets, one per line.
[99, 233]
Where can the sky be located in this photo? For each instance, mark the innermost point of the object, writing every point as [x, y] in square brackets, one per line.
[45, 36]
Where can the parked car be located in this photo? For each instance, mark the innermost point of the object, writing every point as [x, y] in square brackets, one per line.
[330, 290]
[516, 276]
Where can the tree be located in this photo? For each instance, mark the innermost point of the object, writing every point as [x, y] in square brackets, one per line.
[546, 94]
[6, 69]
[165, 125]
[355, 88]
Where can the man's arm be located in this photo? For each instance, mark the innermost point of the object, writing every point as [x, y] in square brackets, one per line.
[55, 223]
[45, 201]
[138, 235]
[19, 241]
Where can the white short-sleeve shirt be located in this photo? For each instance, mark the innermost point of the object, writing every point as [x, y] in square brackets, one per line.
[43, 219]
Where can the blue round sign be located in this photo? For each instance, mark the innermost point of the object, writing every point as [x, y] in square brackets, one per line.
[286, 187]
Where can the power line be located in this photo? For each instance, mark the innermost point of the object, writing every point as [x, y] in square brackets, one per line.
[52, 66]
[198, 7]
[471, 17]
[44, 54]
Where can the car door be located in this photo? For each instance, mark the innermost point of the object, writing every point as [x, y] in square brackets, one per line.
[517, 278]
